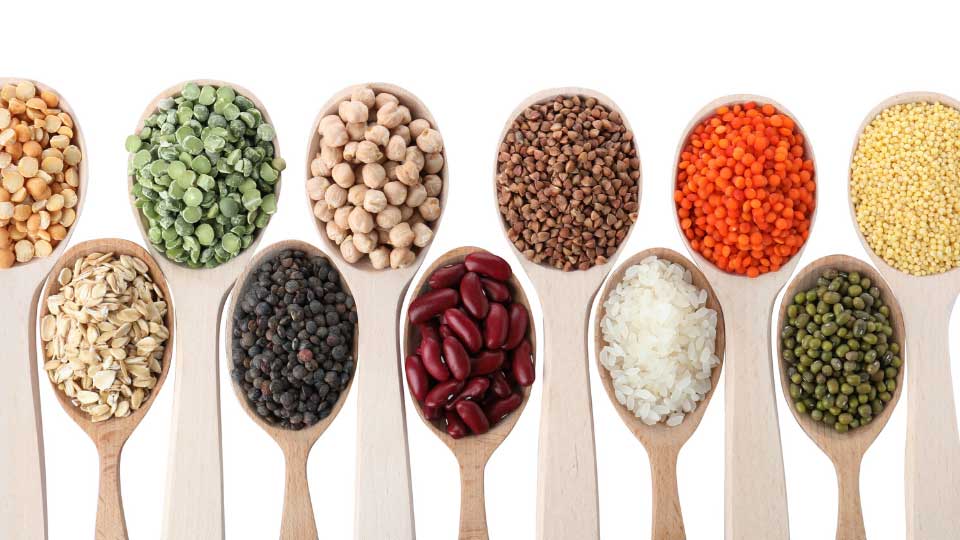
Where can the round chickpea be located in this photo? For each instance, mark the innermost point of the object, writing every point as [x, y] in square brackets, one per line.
[416, 195]
[379, 258]
[335, 232]
[434, 185]
[360, 220]
[418, 126]
[374, 176]
[321, 210]
[401, 258]
[416, 156]
[422, 235]
[383, 98]
[374, 201]
[430, 141]
[353, 112]
[335, 196]
[342, 216]
[349, 250]
[356, 130]
[396, 149]
[363, 95]
[430, 209]
[316, 187]
[396, 193]
[377, 134]
[350, 152]
[401, 235]
[357, 194]
[386, 218]
[343, 175]
[365, 243]
[368, 152]
[432, 163]
[408, 173]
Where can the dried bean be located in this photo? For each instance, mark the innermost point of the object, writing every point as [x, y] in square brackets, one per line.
[473, 416]
[496, 327]
[521, 365]
[488, 264]
[471, 294]
[447, 276]
[455, 426]
[442, 393]
[417, 377]
[431, 304]
[456, 358]
[475, 389]
[519, 320]
[497, 410]
[432, 361]
[487, 362]
[464, 328]
[496, 291]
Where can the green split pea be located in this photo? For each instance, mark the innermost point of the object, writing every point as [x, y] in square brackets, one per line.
[205, 173]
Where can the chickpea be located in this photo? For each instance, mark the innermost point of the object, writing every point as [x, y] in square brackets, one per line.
[401, 235]
[357, 194]
[377, 134]
[405, 116]
[409, 173]
[368, 152]
[401, 257]
[330, 156]
[422, 235]
[418, 126]
[389, 115]
[430, 141]
[379, 258]
[374, 176]
[415, 155]
[434, 185]
[343, 175]
[356, 130]
[396, 193]
[349, 250]
[335, 196]
[327, 120]
[350, 152]
[390, 168]
[352, 112]
[334, 134]
[433, 163]
[360, 220]
[416, 195]
[403, 132]
[386, 218]
[321, 210]
[342, 216]
[383, 98]
[316, 186]
[363, 95]
[365, 243]
[430, 209]
[374, 201]
[383, 236]
[406, 213]
[396, 149]
[335, 232]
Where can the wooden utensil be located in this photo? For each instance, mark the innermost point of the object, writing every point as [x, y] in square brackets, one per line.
[23, 515]
[298, 520]
[845, 450]
[384, 497]
[932, 473]
[110, 435]
[754, 459]
[663, 443]
[473, 451]
[193, 505]
[567, 500]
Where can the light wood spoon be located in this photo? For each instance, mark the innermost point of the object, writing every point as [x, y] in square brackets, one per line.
[754, 458]
[22, 482]
[384, 496]
[110, 435]
[298, 521]
[932, 472]
[567, 498]
[473, 451]
[193, 505]
[845, 450]
[663, 443]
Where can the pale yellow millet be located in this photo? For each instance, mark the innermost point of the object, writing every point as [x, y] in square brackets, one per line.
[905, 187]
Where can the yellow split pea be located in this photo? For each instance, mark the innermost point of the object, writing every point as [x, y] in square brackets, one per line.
[905, 187]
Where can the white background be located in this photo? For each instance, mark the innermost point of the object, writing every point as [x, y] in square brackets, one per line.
[472, 63]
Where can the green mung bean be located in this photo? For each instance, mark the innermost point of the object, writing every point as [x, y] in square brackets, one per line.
[205, 170]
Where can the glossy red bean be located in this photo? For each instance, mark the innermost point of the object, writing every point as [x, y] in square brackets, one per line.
[431, 304]
[496, 291]
[455, 426]
[519, 322]
[499, 385]
[488, 264]
[416, 377]
[487, 362]
[464, 328]
[473, 416]
[447, 276]
[456, 357]
[442, 393]
[522, 364]
[426, 331]
[444, 331]
[432, 413]
[495, 327]
[432, 360]
[475, 389]
[497, 410]
[472, 297]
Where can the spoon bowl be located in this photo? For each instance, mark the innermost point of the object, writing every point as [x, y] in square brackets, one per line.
[193, 504]
[932, 472]
[754, 459]
[662, 442]
[845, 450]
[110, 435]
[22, 473]
[567, 498]
[473, 451]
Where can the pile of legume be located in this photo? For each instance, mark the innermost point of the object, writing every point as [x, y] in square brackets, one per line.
[475, 349]
[205, 173]
[293, 335]
[376, 179]
[568, 182]
[40, 172]
[745, 189]
[905, 187]
[837, 345]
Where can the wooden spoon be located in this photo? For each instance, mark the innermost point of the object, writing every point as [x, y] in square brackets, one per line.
[567, 499]
[23, 515]
[932, 472]
[473, 451]
[193, 506]
[845, 450]
[298, 520]
[384, 497]
[663, 443]
[110, 435]
[754, 459]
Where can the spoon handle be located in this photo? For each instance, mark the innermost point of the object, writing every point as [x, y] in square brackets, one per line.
[754, 458]
[933, 446]
[298, 520]
[473, 511]
[193, 507]
[23, 513]
[850, 518]
[667, 516]
[111, 524]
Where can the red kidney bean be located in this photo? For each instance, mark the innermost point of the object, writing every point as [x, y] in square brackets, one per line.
[464, 328]
[456, 357]
[455, 426]
[499, 385]
[488, 264]
[498, 292]
[519, 321]
[472, 415]
[497, 410]
[445, 331]
[432, 413]
[496, 326]
[426, 331]
[471, 294]
[432, 361]
[431, 304]
[487, 362]
[417, 377]
[442, 393]
[522, 364]
[475, 389]
[448, 276]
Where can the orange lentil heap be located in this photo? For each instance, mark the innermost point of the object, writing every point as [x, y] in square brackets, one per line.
[745, 189]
